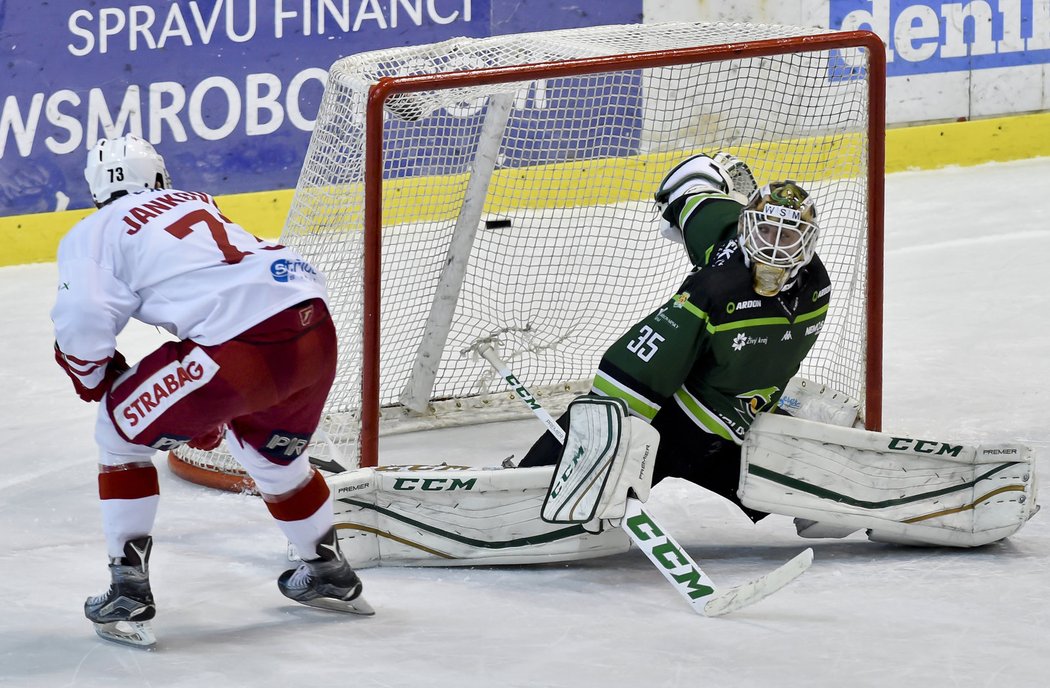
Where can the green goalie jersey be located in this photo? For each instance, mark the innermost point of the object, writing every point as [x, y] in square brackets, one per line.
[717, 349]
[706, 219]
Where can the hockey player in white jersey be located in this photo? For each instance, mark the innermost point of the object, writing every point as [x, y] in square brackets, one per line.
[253, 362]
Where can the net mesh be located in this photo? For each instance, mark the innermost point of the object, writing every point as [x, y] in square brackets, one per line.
[544, 187]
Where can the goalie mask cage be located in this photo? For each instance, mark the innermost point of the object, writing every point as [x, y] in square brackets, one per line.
[503, 187]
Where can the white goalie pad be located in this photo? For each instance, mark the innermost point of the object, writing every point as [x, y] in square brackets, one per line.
[607, 456]
[457, 516]
[899, 489]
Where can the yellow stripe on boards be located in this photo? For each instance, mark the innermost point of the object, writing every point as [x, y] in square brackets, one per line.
[999, 139]
[34, 238]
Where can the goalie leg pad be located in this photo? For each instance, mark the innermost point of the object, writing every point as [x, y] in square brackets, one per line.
[606, 457]
[457, 516]
[901, 490]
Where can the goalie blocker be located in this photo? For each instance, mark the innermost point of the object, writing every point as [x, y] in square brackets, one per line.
[460, 516]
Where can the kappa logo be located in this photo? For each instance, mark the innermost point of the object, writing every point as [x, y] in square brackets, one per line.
[159, 392]
[786, 337]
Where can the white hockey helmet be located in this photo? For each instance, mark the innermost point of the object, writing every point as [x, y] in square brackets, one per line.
[778, 233]
[122, 165]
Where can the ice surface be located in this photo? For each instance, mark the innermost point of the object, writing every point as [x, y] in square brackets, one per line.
[967, 332]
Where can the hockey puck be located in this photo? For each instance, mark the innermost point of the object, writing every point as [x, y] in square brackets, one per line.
[502, 223]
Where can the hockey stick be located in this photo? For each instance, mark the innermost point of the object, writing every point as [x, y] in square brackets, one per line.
[662, 550]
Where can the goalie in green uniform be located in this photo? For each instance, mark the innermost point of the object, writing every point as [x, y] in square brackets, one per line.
[721, 350]
[699, 378]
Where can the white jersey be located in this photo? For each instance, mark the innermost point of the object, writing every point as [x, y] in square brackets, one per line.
[169, 258]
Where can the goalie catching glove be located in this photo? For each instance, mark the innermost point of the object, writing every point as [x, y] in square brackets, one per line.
[722, 175]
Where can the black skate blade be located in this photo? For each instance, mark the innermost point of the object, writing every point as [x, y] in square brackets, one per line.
[132, 633]
[358, 605]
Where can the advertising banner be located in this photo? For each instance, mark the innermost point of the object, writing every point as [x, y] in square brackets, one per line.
[939, 37]
[227, 90]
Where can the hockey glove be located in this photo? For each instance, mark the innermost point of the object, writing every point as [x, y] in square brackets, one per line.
[741, 180]
[722, 174]
[79, 371]
[694, 174]
[207, 441]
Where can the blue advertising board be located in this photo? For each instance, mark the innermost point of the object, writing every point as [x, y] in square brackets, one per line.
[936, 37]
[606, 112]
[226, 89]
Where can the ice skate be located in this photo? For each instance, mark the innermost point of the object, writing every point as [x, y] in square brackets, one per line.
[326, 583]
[122, 614]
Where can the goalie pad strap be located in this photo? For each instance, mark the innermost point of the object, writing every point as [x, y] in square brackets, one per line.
[900, 489]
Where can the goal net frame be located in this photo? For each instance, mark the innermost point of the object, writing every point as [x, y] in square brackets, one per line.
[387, 87]
[383, 90]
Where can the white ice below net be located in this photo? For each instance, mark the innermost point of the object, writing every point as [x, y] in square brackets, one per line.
[967, 361]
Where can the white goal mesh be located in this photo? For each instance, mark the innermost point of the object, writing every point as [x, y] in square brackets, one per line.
[516, 201]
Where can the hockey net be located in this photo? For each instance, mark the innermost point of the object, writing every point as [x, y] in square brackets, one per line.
[502, 187]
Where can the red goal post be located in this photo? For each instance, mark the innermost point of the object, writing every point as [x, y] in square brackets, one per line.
[391, 124]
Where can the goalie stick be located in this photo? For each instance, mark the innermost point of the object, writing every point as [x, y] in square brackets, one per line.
[695, 586]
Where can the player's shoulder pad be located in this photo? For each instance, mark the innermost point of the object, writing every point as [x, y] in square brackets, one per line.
[722, 280]
[712, 212]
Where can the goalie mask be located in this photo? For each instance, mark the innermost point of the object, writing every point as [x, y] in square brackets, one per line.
[123, 165]
[778, 233]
